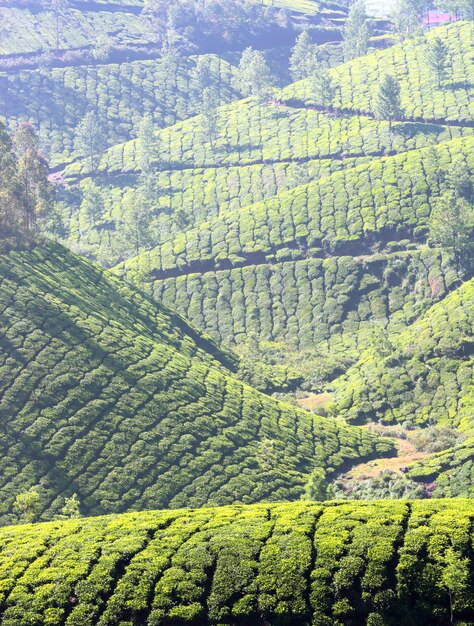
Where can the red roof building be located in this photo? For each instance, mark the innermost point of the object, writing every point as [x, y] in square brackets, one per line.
[433, 19]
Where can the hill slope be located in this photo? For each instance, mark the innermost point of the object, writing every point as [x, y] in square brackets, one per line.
[327, 565]
[105, 394]
[425, 378]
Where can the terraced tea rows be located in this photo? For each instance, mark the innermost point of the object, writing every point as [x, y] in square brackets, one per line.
[330, 304]
[105, 394]
[56, 100]
[428, 374]
[385, 199]
[333, 564]
[250, 133]
[30, 32]
[357, 82]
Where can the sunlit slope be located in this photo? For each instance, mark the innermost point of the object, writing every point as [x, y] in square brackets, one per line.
[31, 30]
[252, 133]
[105, 394]
[357, 82]
[306, 563]
[387, 199]
[349, 248]
[426, 373]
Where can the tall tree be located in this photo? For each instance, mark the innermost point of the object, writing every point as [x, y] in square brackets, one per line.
[90, 139]
[148, 156]
[33, 170]
[27, 506]
[451, 226]
[147, 143]
[210, 115]
[12, 209]
[92, 204]
[303, 58]
[136, 226]
[322, 86]
[255, 77]
[438, 59]
[59, 9]
[459, 8]
[455, 577]
[199, 78]
[388, 103]
[357, 32]
[407, 16]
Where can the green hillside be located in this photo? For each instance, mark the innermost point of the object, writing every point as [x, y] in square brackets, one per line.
[28, 31]
[340, 210]
[421, 98]
[377, 563]
[107, 395]
[55, 100]
[422, 377]
[236, 264]
[426, 376]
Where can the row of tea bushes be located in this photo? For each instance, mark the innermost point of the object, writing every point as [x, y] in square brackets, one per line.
[329, 303]
[32, 31]
[55, 100]
[452, 469]
[357, 82]
[333, 564]
[108, 396]
[249, 132]
[427, 375]
[184, 198]
[347, 212]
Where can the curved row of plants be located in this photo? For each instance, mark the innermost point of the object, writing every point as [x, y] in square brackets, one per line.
[356, 83]
[375, 563]
[330, 304]
[384, 200]
[104, 395]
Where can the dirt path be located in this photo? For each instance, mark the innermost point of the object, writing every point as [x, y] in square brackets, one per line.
[406, 454]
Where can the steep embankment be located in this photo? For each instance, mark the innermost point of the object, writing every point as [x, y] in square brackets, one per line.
[105, 394]
[374, 564]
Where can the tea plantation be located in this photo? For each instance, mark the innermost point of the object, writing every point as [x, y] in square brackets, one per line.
[55, 100]
[333, 564]
[109, 396]
[421, 98]
[425, 378]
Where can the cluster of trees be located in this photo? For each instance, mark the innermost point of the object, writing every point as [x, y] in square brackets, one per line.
[28, 507]
[408, 14]
[451, 223]
[218, 21]
[25, 191]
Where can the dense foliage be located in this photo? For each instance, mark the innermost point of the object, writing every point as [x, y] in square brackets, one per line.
[377, 563]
